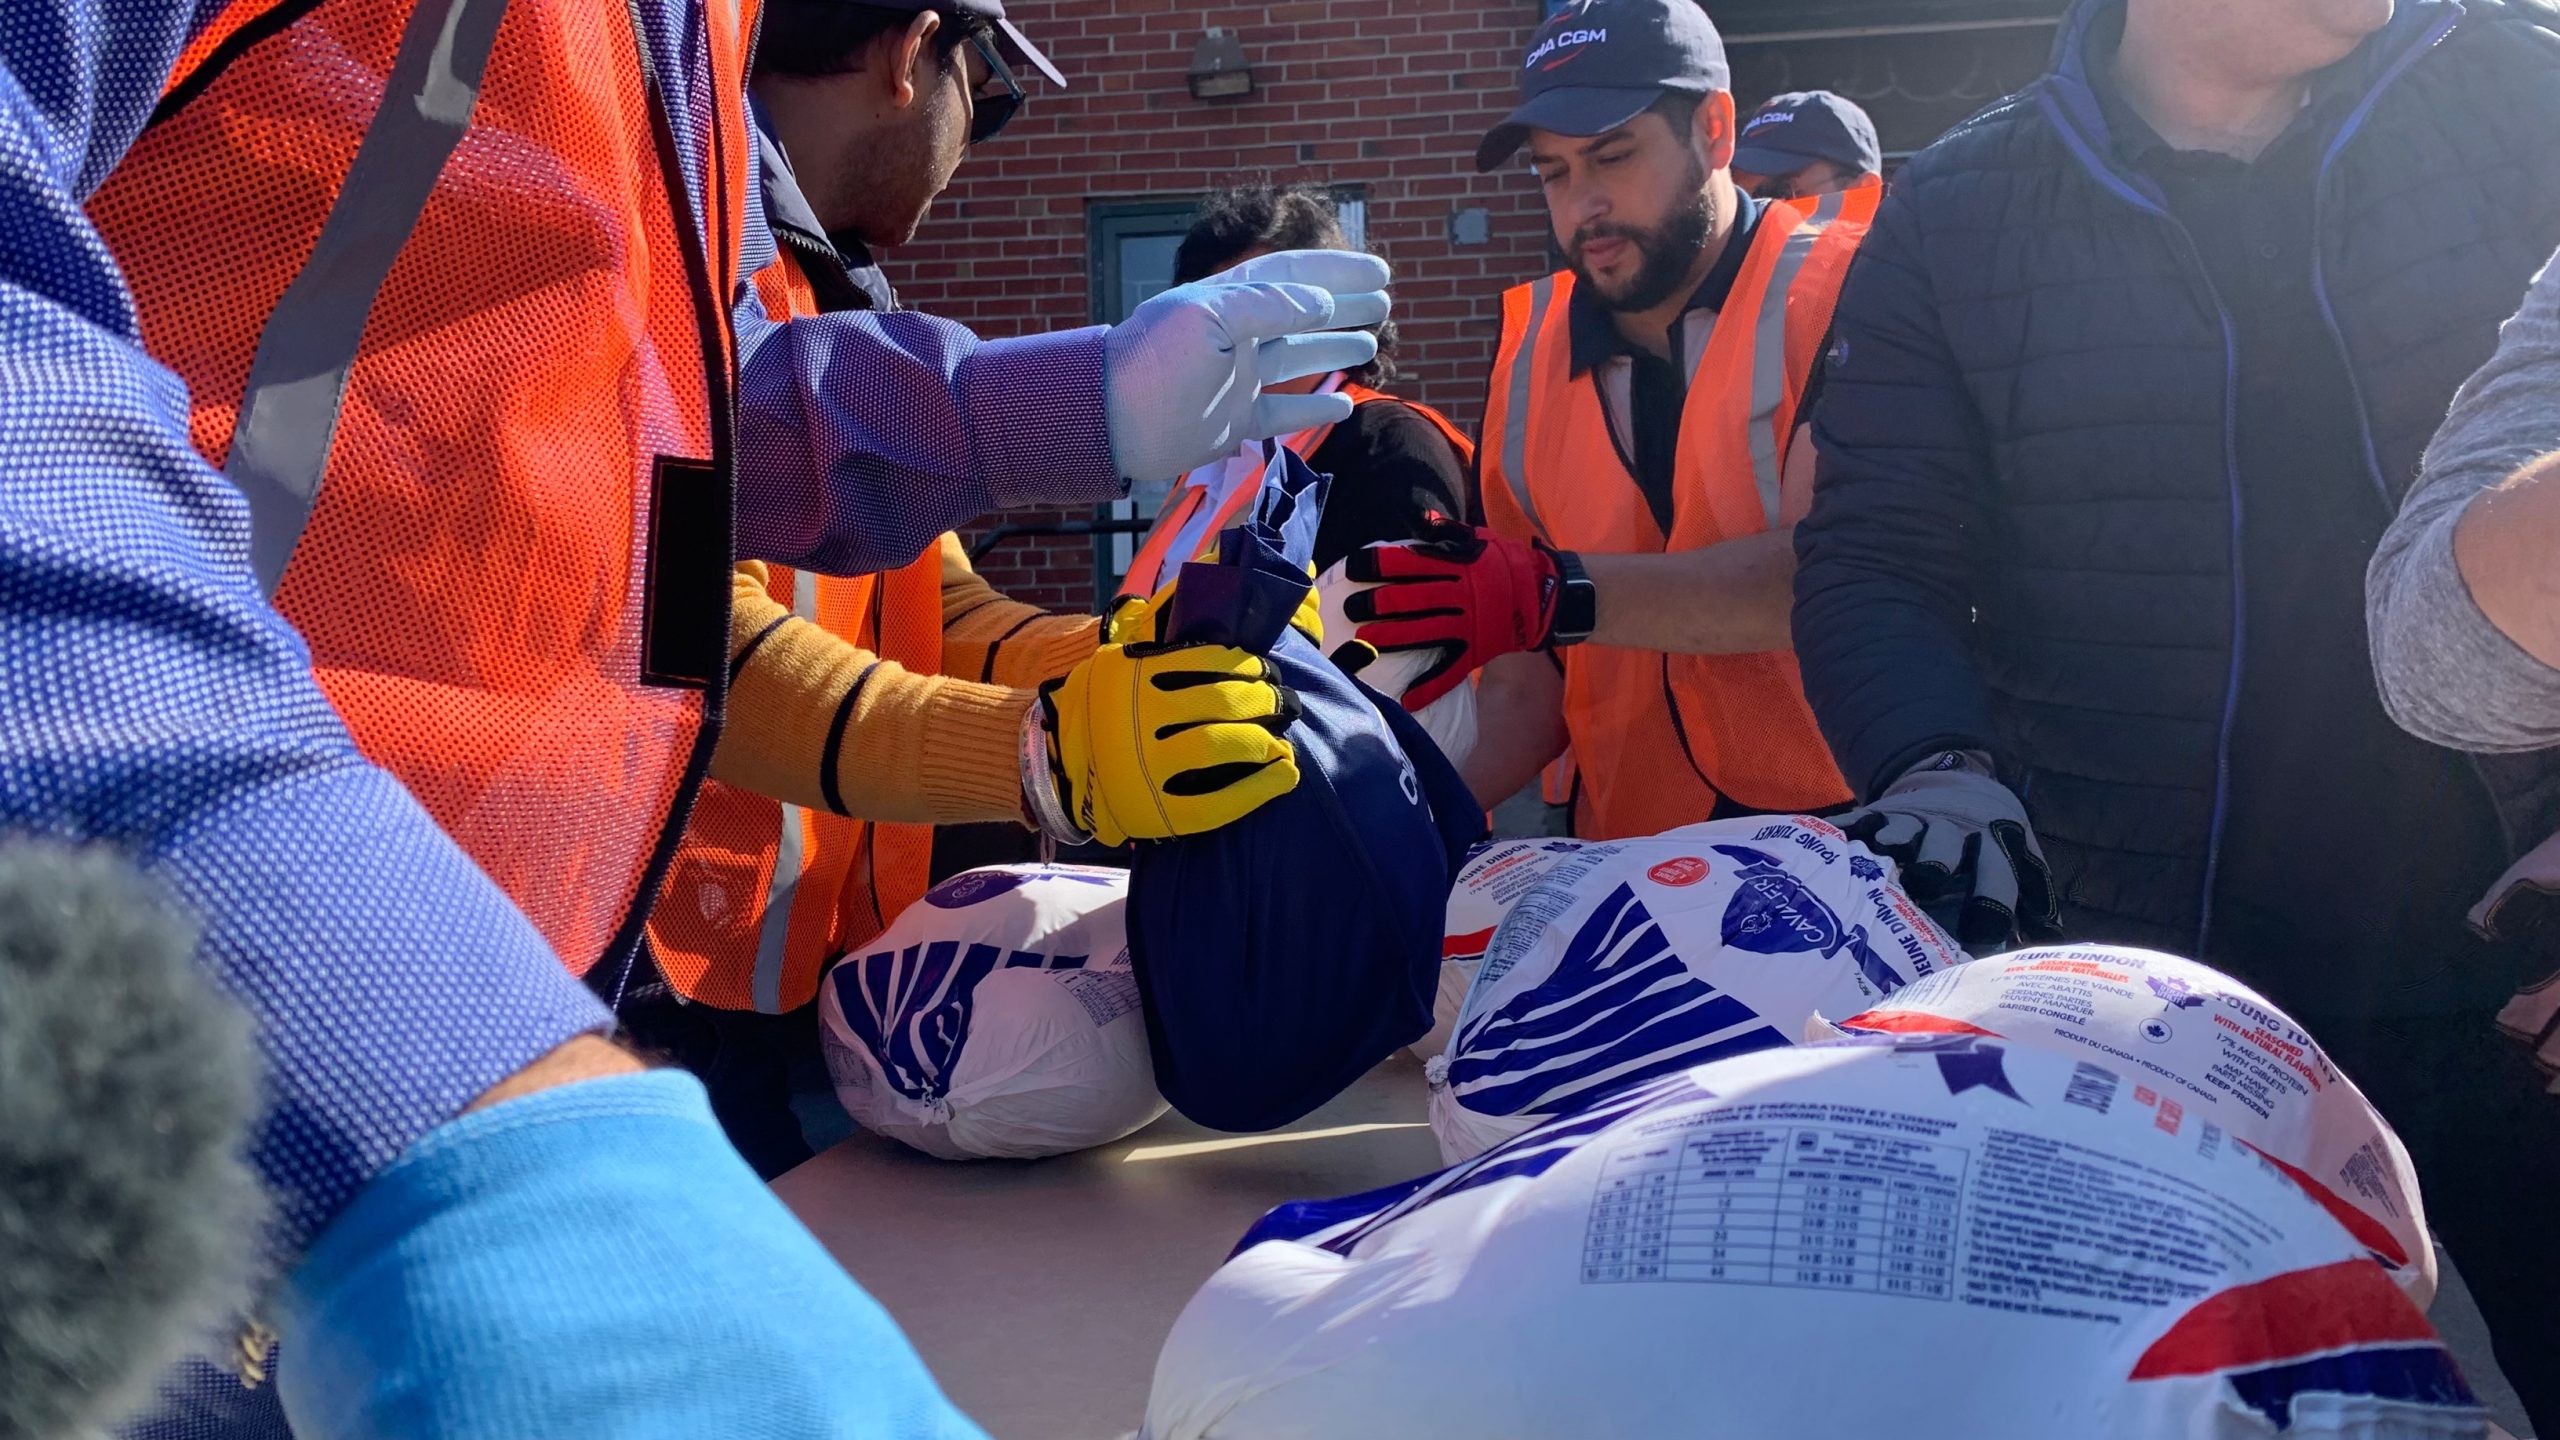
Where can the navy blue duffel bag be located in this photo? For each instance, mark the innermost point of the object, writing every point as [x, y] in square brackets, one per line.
[1282, 957]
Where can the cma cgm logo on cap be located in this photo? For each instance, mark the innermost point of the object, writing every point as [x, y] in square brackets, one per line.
[1768, 119]
[1562, 46]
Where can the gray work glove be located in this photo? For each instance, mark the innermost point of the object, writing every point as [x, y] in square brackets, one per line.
[2521, 915]
[1965, 852]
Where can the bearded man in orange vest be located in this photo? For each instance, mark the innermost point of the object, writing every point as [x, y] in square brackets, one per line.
[1643, 459]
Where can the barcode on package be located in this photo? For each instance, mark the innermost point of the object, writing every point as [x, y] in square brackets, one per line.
[2091, 1088]
[1106, 995]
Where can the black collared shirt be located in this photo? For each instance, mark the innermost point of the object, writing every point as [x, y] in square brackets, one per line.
[1657, 389]
[2350, 849]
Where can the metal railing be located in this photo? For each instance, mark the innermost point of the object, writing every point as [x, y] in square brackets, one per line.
[1033, 529]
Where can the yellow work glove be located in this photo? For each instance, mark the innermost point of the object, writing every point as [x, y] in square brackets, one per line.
[1143, 742]
[1133, 618]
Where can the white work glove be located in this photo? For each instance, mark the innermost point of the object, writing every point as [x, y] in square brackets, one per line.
[1183, 376]
[1965, 852]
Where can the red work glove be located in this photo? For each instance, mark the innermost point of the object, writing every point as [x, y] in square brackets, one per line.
[1469, 595]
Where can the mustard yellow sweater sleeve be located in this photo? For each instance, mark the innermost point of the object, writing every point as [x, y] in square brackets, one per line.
[1000, 641]
[821, 722]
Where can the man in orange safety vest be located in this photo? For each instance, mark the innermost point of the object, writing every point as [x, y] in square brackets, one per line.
[1644, 456]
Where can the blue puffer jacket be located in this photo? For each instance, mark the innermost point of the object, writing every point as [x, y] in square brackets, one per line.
[2024, 530]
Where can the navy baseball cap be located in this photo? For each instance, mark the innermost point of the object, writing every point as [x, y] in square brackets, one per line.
[1596, 64]
[1792, 131]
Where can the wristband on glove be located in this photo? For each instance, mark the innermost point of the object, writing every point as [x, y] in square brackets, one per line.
[1040, 799]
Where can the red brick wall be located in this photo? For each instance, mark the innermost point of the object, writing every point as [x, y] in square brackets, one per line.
[1389, 97]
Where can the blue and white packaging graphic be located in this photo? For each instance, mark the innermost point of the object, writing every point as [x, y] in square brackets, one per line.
[997, 1017]
[1635, 958]
[1495, 877]
[1928, 1238]
[2200, 1046]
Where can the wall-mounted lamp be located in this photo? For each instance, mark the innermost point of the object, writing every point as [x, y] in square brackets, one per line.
[1218, 69]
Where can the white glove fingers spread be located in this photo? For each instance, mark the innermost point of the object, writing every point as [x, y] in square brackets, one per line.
[1247, 313]
[1295, 357]
[1359, 309]
[1288, 414]
[1180, 375]
[1343, 272]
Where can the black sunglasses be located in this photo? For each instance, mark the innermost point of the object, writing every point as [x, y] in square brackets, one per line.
[991, 111]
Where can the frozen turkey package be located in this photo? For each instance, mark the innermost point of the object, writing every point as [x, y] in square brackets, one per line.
[1925, 1238]
[2197, 1043]
[1633, 958]
[997, 1017]
[1494, 878]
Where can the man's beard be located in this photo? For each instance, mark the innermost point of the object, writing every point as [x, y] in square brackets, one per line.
[1667, 251]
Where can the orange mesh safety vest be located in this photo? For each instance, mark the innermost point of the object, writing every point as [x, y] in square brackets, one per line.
[452, 323]
[1666, 740]
[762, 894]
[1149, 569]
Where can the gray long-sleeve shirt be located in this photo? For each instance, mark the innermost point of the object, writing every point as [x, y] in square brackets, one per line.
[2449, 675]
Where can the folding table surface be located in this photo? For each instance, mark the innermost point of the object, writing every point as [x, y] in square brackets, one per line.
[1040, 1291]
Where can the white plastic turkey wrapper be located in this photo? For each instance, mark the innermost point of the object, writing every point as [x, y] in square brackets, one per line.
[1450, 720]
[996, 1017]
[1488, 885]
[1634, 958]
[1931, 1239]
[2200, 1044]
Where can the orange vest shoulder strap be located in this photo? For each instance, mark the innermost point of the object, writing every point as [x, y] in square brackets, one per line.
[1815, 295]
[1533, 326]
[783, 287]
[1307, 442]
[1763, 352]
[1364, 395]
[1147, 566]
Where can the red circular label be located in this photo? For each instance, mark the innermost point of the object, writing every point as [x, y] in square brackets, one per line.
[1687, 870]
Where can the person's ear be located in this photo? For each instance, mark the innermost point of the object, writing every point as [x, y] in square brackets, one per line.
[1712, 130]
[912, 63]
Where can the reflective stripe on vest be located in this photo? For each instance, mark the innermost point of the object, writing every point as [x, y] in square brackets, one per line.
[773, 933]
[444, 320]
[289, 406]
[1666, 740]
[1147, 567]
[1508, 425]
[1769, 355]
[763, 894]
